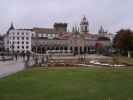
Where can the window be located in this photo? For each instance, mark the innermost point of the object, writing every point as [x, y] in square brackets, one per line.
[13, 38]
[22, 38]
[27, 47]
[18, 38]
[27, 38]
[22, 33]
[23, 42]
[18, 42]
[33, 35]
[42, 35]
[86, 29]
[18, 33]
[27, 42]
[18, 47]
[22, 47]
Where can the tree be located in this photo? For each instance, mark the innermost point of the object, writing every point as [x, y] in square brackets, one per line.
[124, 41]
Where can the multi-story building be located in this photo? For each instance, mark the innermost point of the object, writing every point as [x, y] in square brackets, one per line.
[44, 33]
[105, 34]
[18, 40]
[1, 43]
[78, 42]
[40, 40]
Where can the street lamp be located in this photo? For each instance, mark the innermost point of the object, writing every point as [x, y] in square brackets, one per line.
[12, 50]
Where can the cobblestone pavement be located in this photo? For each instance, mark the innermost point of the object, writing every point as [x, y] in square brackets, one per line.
[10, 67]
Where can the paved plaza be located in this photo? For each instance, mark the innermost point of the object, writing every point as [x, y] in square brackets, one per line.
[10, 67]
[13, 66]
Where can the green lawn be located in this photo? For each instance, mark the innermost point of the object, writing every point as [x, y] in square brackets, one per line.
[68, 84]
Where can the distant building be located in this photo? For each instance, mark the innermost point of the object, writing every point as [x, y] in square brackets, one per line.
[1, 43]
[18, 40]
[46, 33]
[105, 34]
[41, 40]
[60, 27]
[50, 33]
[78, 42]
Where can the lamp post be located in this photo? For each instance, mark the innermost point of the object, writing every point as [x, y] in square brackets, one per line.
[83, 48]
[84, 52]
[36, 47]
[12, 50]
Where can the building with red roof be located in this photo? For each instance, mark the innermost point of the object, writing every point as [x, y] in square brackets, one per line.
[79, 41]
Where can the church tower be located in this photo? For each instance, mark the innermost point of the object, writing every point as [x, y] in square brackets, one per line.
[84, 25]
[102, 32]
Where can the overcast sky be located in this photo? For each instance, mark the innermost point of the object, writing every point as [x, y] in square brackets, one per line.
[112, 14]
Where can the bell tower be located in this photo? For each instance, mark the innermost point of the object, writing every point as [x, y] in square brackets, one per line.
[84, 25]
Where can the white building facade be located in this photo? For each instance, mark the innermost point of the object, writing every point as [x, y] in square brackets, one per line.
[18, 40]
